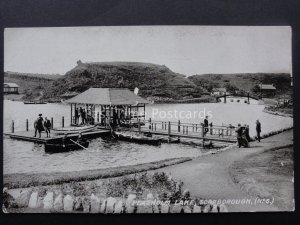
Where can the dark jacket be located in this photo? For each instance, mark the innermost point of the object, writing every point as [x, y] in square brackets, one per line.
[40, 123]
[205, 122]
[47, 124]
[258, 127]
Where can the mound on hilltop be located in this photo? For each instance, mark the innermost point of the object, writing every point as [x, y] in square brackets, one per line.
[151, 79]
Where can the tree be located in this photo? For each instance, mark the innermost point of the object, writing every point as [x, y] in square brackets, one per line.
[256, 89]
[231, 88]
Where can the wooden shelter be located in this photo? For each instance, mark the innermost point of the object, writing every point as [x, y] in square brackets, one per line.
[107, 106]
[11, 88]
[267, 90]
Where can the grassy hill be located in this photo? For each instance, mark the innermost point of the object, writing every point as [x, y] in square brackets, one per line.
[32, 85]
[151, 79]
[156, 82]
[244, 82]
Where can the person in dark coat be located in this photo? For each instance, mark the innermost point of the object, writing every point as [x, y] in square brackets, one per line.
[39, 125]
[258, 129]
[247, 132]
[81, 114]
[239, 134]
[205, 125]
[47, 125]
[76, 115]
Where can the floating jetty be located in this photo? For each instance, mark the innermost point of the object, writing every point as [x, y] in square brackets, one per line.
[28, 136]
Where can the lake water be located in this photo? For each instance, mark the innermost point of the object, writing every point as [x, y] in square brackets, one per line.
[21, 157]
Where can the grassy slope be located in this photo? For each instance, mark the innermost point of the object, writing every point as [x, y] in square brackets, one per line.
[156, 81]
[245, 81]
[31, 85]
[268, 175]
[152, 79]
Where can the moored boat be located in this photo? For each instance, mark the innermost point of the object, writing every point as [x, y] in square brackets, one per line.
[73, 130]
[59, 147]
[38, 102]
[136, 138]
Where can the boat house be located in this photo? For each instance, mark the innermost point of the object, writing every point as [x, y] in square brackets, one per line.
[11, 88]
[267, 90]
[106, 106]
[219, 92]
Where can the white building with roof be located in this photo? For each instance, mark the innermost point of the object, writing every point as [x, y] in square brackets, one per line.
[11, 88]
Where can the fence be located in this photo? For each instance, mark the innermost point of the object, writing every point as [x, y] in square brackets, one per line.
[29, 125]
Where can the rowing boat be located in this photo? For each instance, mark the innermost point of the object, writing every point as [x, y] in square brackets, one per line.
[57, 148]
[73, 130]
[136, 138]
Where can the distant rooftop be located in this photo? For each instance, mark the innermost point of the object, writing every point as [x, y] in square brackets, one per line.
[108, 96]
[12, 85]
[267, 87]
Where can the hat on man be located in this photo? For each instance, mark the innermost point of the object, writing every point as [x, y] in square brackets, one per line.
[40, 114]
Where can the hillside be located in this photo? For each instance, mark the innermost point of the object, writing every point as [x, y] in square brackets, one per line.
[244, 82]
[31, 85]
[156, 82]
[153, 80]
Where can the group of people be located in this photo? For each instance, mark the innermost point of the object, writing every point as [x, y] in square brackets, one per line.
[41, 124]
[243, 136]
[80, 114]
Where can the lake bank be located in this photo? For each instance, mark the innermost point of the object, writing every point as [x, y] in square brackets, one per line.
[210, 176]
[24, 180]
[268, 174]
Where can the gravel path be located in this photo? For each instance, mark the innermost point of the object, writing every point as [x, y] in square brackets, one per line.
[208, 177]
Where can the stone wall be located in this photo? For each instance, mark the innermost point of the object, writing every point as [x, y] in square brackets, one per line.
[57, 202]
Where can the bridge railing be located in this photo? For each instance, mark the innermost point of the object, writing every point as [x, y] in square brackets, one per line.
[191, 129]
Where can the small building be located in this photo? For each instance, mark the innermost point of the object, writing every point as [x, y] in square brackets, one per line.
[267, 90]
[218, 92]
[11, 88]
[107, 106]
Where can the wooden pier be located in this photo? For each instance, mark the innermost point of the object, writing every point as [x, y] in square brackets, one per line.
[189, 131]
[28, 135]
[159, 128]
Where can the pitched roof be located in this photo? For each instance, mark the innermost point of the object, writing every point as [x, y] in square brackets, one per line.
[108, 96]
[10, 85]
[267, 87]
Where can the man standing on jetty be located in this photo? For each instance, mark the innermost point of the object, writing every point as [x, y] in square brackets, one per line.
[39, 125]
[258, 130]
[205, 125]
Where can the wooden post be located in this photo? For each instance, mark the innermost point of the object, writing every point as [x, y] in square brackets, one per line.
[248, 98]
[27, 125]
[71, 114]
[150, 124]
[178, 125]
[225, 98]
[98, 117]
[52, 122]
[63, 121]
[169, 130]
[139, 125]
[203, 135]
[13, 127]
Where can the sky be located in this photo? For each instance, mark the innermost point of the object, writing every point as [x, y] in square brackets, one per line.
[187, 50]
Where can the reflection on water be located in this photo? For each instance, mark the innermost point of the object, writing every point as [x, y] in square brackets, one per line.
[20, 156]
